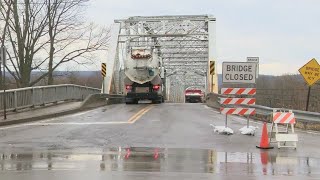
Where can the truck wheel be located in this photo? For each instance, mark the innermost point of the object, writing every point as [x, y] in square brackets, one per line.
[129, 101]
[157, 101]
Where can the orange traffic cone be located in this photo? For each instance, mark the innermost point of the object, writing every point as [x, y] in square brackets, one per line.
[264, 142]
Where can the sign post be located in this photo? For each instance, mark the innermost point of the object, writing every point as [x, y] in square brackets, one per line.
[103, 73]
[238, 73]
[254, 60]
[311, 74]
[3, 53]
[212, 73]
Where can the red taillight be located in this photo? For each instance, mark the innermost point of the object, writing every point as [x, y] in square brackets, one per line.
[128, 87]
[156, 87]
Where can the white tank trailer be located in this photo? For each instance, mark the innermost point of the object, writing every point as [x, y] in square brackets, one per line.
[145, 75]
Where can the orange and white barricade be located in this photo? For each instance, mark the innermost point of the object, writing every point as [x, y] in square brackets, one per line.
[285, 138]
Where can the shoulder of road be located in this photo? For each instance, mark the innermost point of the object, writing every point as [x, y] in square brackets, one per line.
[40, 113]
[55, 110]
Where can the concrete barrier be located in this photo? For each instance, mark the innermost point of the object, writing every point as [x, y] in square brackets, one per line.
[98, 100]
[212, 100]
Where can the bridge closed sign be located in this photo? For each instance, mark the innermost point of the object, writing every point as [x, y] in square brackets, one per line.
[239, 72]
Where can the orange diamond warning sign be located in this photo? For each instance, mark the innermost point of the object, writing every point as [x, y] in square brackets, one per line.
[311, 72]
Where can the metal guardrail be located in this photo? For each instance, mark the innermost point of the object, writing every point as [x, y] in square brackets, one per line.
[302, 116]
[41, 95]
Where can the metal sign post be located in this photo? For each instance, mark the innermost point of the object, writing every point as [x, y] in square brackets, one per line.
[103, 73]
[308, 98]
[212, 73]
[3, 52]
[254, 60]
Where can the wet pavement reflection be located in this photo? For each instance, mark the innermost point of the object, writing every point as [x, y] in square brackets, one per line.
[163, 160]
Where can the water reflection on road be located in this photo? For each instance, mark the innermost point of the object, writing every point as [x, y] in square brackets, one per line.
[162, 160]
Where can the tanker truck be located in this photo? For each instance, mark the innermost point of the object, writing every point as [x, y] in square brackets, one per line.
[144, 75]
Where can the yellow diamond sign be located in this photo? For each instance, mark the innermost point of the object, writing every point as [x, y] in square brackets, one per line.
[311, 72]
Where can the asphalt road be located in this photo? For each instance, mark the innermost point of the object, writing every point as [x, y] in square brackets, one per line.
[166, 141]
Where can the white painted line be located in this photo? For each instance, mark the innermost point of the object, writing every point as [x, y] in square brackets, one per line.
[216, 112]
[11, 127]
[78, 114]
[76, 123]
[62, 117]
[43, 123]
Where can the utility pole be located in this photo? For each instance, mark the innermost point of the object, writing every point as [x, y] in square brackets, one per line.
[3, 54]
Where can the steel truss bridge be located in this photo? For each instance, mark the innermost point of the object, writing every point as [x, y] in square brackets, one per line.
[185, 43]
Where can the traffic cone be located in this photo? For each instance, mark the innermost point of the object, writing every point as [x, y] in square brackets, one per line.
[264, 142]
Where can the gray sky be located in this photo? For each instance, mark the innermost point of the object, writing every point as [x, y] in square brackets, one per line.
[285, 34]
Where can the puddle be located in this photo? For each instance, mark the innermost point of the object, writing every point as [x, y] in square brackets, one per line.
[162, 160]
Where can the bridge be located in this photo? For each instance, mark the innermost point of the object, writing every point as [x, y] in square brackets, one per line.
[81, 132]
[186, 45]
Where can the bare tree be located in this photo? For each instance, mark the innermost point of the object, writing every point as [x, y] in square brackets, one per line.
[44, 34]
[25, 31]
[66, 29]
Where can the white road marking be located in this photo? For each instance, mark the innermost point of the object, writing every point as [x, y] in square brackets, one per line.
[63, 117]
[216, 112]
[79, 114]
[76, 123]
[46, 122]
[43, 123]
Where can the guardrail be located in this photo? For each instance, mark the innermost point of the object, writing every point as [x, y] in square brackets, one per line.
[41, 95]
[302, 116]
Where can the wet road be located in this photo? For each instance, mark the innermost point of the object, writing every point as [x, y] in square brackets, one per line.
[104, 143]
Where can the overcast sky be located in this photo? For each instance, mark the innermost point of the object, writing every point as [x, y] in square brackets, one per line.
[285, 34]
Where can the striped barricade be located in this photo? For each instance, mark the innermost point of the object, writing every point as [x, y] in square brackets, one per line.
[238, 91]
[284, 118]
[238, 101]
[238, 111]
[284, 138]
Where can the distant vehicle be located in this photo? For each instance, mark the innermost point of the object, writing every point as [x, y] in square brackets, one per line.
[144, 75]
[194, 96]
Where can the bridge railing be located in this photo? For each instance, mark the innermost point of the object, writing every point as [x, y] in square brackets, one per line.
[41, 95]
